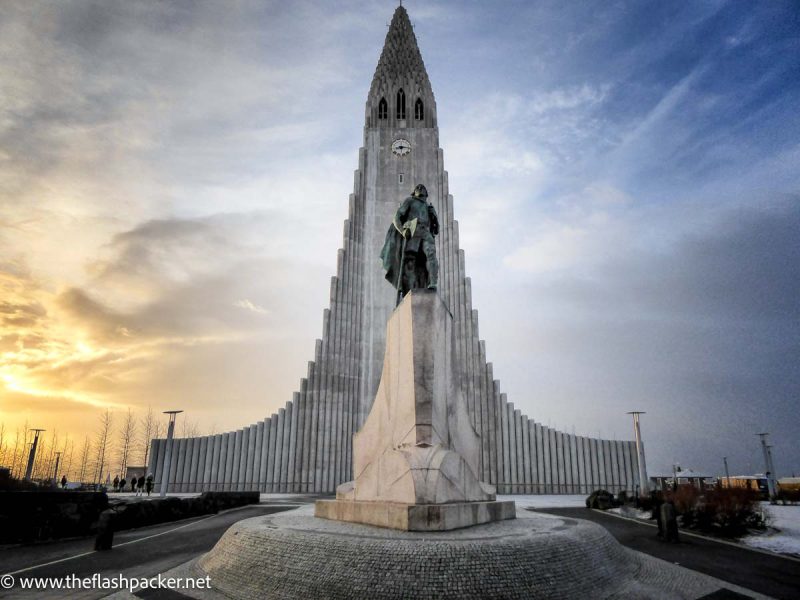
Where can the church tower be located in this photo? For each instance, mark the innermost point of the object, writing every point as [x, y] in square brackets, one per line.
[307, 445]
[401, 149]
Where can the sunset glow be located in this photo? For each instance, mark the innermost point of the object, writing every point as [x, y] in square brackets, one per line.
[173, 184]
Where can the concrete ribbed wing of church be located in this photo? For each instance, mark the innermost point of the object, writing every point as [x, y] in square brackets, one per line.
[307, 446]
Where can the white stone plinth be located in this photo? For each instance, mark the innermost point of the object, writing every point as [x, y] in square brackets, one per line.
[415, 517]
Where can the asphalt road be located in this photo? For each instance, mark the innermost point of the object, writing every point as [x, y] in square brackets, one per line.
[138, 553]
[764, 573]
[148, 551]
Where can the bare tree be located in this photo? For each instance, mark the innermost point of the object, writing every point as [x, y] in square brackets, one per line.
[84, 459]
[3, 445]
[151, 429]
[18, 438]
[188, 428]
[67, 458]
[102, 442]
[20, 448]
[127, 433]
[44, 455]
[44, 467]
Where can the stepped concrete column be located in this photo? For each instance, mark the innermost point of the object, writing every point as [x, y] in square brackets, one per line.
[273, 434]
[280, 449]
[292, 445]
[214, 464]
[257, 453]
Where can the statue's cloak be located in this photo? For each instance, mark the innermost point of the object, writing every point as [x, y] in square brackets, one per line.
[392, 255]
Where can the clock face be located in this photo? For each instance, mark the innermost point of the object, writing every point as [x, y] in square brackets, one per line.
[401, 147]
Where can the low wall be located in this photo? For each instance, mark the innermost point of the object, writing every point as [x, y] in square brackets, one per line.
[163, 510]
[33, 516]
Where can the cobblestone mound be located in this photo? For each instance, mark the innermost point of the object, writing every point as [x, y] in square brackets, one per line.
[294, 555]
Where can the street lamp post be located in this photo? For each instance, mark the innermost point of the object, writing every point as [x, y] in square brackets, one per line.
[772, 470]
[644, 484]
[768, 465]
[55, 470]
[32, 455]
[727, 474]
[168, 452]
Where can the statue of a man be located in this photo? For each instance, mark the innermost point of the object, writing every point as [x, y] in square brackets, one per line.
[409, 253]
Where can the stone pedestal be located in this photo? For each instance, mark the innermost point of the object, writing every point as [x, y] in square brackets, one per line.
[293, 556]
[416, 458]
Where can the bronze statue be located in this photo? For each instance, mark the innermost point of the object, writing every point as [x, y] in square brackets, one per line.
[409, 252]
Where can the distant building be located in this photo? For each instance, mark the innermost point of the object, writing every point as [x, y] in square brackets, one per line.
[683, 477]
[135, 472]
[756, 482]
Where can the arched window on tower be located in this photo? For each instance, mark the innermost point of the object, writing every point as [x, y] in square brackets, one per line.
[419, 111]
[401, 104]
[383, 109]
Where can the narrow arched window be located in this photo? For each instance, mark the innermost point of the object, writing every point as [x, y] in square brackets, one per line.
[401, 104]
[419, 111]
[383, 109]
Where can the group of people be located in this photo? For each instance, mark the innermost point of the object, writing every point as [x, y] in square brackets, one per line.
[138, 485]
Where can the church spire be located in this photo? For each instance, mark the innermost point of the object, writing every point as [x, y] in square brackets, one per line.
[401, 94]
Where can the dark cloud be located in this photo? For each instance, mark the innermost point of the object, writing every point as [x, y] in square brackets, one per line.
[104, 323]
[704, 335]
[746, 268]
[202, 278]
[175, 249]
[32, 341]
[154, 246]
[8, 342]
[33, 309]
[21, 316]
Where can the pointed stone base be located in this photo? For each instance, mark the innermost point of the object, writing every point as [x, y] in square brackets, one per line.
[415, 517]
[416, 458]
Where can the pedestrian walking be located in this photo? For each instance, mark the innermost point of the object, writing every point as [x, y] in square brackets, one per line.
[105, 530]
[116, 483]
[149, 483]
[669, 521]
[140, 486]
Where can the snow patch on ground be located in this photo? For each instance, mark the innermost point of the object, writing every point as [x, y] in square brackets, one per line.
[536, 501]
[275, 496]
[631, 513]
[784, 533]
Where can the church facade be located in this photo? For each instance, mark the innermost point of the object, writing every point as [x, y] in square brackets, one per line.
[306, 447]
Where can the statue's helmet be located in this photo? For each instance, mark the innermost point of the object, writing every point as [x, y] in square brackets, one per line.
[420, 191]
